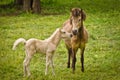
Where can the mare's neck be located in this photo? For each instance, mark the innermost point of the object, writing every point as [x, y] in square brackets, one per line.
[81, 32]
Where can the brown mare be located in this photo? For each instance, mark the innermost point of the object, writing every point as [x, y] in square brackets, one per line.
[80, 36]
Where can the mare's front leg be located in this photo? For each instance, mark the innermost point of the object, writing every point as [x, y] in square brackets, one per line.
[73, 59]
[69, 55]
[82, 59]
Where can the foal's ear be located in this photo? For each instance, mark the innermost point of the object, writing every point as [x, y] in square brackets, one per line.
[83, 15]
[71, 12]
[60, 29]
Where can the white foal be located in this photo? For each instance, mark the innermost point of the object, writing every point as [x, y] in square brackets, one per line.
[47, 46]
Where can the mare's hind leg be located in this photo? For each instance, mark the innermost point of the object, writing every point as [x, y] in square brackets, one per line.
[82, 59]
[69, 55]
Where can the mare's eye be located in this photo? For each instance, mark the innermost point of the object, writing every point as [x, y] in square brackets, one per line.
[79, 19]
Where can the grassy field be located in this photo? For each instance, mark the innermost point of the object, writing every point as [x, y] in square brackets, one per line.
[102, 54]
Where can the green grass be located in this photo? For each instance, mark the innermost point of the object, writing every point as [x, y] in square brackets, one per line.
[102, 52]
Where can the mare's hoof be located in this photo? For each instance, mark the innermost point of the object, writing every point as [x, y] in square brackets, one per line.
[68, 66]
[82, 70]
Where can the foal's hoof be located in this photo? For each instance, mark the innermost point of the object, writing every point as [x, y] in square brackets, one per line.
[54, 74]
[28, 75]
[45, 74]
[24, 75]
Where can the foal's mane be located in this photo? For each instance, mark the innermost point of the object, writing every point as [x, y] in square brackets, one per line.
[53, 35]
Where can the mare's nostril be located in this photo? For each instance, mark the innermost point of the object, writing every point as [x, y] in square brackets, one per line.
[71, 35]
[74, 32]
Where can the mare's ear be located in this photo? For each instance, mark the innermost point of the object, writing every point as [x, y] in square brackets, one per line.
[83, 15]
[70, 20]
[71, 14]
[75, 12]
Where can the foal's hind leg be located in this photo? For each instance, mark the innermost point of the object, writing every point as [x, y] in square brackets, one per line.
[26, 64]
[69, 55]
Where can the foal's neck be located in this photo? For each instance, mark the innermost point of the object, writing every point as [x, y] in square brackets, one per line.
[55, 37]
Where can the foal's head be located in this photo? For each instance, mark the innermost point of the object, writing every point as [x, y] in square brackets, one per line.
[65, 34]
[76, 19]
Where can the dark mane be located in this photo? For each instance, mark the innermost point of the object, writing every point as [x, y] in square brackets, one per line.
[80, 33]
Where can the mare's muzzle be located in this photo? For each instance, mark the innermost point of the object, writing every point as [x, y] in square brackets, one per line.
[74, 32]
[71, 35]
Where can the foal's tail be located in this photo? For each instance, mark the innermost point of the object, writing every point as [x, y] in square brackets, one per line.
[20, 40]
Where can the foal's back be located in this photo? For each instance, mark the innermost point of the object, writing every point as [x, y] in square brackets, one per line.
[36, 45]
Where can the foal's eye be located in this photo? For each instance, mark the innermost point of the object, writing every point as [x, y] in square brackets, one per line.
[64, 32]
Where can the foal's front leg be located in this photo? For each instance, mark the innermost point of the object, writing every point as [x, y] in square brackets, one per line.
[51, 62]
[47, 63]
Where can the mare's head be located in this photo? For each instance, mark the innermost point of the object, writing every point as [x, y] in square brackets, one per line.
[76, 19]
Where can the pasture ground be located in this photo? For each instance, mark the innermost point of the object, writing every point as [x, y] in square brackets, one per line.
[102, 54]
